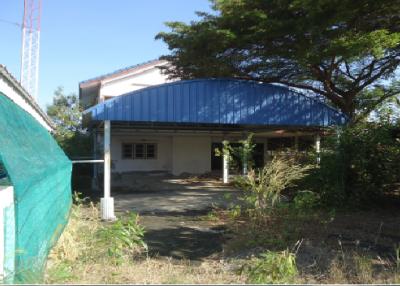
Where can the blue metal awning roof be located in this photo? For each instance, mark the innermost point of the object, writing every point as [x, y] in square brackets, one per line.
[217, 101]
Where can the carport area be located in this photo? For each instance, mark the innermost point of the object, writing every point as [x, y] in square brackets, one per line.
[153, 138]
[173, 209]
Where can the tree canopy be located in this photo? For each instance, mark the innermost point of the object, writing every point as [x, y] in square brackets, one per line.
[339, 49]
[67, 116]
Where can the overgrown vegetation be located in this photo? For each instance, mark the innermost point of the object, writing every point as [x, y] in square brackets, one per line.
[94, 252]
[87, 241]
[238, 155]
[272, 268]
[263, 188]
[359, 165]
[73, 138]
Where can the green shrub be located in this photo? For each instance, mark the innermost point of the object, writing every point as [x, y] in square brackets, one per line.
[306, 200]
[262, 189]
[272, 268]
[123, 238]
[359, 164]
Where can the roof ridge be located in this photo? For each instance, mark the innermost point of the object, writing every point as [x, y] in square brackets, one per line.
[100, 77]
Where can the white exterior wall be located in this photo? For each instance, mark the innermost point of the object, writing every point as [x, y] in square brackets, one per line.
[163, 162]
[14, 95]
[129, 83]
[191, 154]
[175, 154]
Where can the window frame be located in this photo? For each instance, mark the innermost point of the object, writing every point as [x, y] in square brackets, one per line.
[133, 151]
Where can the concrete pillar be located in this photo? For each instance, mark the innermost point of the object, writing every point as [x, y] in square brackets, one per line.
[95, 173]
[244, 167]
[318, 148]
[225, 168]
[107, 202]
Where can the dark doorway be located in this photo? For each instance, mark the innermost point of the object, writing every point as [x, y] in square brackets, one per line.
[258, 157]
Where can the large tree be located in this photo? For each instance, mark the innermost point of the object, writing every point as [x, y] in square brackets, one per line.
[339, 49]
[66, 114]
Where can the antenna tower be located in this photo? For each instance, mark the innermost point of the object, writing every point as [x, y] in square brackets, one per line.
[30, 47]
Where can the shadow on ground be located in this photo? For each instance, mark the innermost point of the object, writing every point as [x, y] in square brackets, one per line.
[172, 210]
[185, 242]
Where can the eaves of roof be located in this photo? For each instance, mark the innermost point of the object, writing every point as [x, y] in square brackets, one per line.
[127, 70]
[16, 84]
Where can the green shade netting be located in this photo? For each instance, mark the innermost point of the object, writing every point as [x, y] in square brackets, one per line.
[41, 175]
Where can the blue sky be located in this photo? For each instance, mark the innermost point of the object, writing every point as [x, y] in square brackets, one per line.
[81, 39]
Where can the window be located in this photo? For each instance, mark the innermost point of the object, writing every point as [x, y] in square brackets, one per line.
[139, 151]
[150, 151]
[127, 151]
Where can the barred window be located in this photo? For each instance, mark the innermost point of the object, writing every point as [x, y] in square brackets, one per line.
[150, 151]
[127, 151]
[139, 151]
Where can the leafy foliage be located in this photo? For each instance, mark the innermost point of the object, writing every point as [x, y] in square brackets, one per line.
[67, 115]
[263, 188]
[87, 241]
[306, 200]
[336, 49]
[358, 164]
[273, 268]
[124, 238]
[243, 152]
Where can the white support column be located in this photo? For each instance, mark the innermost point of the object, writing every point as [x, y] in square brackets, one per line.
[244, 167]
[296, 143]
[225, 166]
[318, 148]
[107, 202]
[95, 173]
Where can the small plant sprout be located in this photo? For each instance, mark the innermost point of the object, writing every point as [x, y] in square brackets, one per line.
[245, 152]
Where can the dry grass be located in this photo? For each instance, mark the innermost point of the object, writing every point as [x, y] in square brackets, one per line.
[77, 259]
[323, 258]
[149, 271]
[361, 269]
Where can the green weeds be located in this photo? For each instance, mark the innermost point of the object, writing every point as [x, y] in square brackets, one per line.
[272, 268]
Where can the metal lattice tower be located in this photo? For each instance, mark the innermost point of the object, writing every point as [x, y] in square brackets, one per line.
[30, 47]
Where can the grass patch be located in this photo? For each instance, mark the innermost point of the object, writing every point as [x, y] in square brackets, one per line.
[335, 248]
[272, 268]
[94, 252]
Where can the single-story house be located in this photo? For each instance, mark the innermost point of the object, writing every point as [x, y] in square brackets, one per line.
[144, 122]
[175, 127]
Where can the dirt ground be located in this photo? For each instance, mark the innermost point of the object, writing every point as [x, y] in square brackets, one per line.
[176, 215]
[171, 210]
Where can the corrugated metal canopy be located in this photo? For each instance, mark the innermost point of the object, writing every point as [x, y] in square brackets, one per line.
[217, 101]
